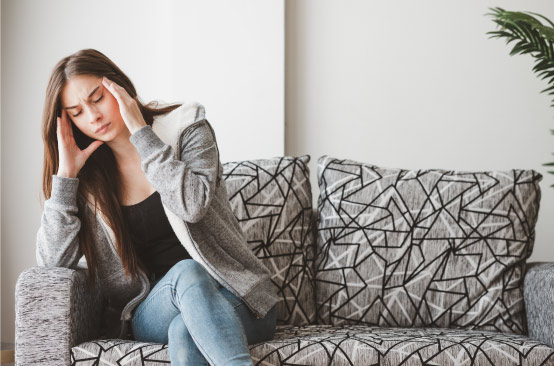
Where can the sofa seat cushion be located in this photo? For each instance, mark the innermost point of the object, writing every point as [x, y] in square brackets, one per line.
[367, 345]
[349, 345]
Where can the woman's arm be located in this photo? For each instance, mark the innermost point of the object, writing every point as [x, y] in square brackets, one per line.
[57, 242]
[186, 186]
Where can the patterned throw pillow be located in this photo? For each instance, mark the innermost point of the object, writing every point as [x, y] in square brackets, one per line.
[423, 248]
[272, 200]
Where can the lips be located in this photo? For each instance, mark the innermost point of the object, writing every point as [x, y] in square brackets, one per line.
[103, 128]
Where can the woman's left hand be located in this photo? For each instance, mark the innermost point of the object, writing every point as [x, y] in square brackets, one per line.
[128, 107]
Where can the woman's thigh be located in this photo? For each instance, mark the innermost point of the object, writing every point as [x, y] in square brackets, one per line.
[152, 317]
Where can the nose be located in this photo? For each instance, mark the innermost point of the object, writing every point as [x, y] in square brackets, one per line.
[93, 113]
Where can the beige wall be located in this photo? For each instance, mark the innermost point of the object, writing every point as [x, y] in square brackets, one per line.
[416, 84]
[229, 56]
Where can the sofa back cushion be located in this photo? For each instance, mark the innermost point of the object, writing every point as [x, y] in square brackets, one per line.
[423, 248]
[272, 200]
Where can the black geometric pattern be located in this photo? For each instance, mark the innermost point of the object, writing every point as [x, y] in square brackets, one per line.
[272, 200]
[119, 352]
[357, 345]
[363, 345]
[423, 248]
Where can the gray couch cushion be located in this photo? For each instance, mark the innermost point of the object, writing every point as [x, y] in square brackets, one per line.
[423, 248]
[349, 345]
[272, 200]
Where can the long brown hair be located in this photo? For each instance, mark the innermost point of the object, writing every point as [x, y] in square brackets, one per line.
[99, 177]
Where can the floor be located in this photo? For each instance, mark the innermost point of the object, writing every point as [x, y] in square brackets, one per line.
[7, 354]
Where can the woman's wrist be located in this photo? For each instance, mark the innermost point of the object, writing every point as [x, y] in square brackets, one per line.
[66, 173]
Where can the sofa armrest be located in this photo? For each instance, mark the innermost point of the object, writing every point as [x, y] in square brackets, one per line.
[54, 311]
[538, 291]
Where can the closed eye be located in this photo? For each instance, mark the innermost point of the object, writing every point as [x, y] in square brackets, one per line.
[96, 101]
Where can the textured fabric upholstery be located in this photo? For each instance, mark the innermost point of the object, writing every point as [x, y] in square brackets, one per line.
[539, 301]
[57, 317]
[55, 310]
[423, 248]
[365, 345]
[358, 345]
[272, 200]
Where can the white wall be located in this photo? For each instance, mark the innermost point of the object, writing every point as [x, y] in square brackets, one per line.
[229, 56]
[417, 84]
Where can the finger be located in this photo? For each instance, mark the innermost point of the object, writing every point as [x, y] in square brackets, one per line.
[63, 121]
[70, 128]
[58, 128]
[92, 147]
[118, 91]
[60, 133]
[109, 85]
[61, 127]
[68, 131]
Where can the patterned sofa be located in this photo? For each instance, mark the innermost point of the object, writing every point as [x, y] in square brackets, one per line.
[394, 267]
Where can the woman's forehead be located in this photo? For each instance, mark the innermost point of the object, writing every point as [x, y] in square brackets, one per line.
[78, 89]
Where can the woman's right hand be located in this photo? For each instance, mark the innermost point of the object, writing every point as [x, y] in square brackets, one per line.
[72, 158]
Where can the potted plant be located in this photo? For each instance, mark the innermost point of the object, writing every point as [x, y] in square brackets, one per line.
[532, 37]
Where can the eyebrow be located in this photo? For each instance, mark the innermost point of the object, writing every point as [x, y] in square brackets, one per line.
[89, 96]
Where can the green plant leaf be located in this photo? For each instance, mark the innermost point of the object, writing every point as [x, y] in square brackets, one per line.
[547, 89]
[542, 65]
[500, 34]
[544, 18]
[531, 37]
[517, 48]
[546, 73]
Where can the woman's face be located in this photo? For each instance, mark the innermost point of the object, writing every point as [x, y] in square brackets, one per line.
[92, 108]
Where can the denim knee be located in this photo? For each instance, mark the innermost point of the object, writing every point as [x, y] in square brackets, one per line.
[176, 328]
[178, 331]
[182, 349]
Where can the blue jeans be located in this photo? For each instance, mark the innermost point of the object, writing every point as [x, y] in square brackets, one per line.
[199, 319]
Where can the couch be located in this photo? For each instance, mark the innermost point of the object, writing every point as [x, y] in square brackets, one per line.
[358, 284]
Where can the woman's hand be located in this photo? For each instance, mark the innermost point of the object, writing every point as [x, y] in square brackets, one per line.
[72, 158]
[128, 107]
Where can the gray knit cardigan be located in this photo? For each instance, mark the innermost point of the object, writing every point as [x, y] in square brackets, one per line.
[180, 158]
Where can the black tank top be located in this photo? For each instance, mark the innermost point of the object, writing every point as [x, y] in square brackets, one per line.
[153, 237]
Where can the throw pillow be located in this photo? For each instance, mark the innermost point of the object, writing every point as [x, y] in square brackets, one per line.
[272, 200]
[423, 248]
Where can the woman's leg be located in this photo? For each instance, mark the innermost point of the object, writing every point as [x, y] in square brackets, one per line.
[161, 322]
[257, 330]
[182, 349]
[211, 318]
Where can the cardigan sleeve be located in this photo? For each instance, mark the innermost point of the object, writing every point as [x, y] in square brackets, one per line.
[186, 186]
[57, 244]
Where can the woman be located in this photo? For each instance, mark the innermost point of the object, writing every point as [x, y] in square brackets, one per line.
[138, 190]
